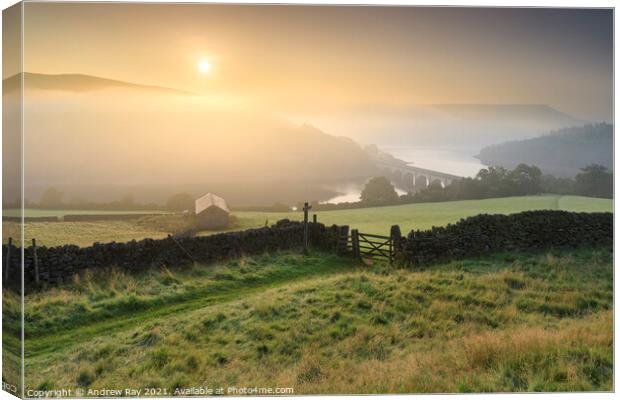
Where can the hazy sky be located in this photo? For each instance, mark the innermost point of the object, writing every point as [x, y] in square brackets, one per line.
[310, 58]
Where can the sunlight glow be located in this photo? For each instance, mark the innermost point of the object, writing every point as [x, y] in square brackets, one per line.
[204, 66]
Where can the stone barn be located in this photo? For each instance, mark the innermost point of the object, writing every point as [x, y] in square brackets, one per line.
[212, 212]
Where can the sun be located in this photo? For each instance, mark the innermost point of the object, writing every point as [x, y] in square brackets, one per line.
[204, 66]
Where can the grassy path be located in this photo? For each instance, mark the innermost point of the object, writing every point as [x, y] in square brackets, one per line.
[213, 291]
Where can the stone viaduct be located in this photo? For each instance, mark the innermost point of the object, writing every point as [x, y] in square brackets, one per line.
[412, 179]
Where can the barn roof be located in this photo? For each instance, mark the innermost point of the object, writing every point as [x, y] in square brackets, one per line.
[210, 200]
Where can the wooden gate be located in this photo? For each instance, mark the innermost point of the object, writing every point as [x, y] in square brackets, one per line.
[369, 245]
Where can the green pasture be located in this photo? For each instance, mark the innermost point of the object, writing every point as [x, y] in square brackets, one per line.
[38, 212]
[378, 220]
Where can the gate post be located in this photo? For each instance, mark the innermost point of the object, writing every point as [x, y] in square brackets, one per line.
[307, 208]
[355, 243]
[395, 243]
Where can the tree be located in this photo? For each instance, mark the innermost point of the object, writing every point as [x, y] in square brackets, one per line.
[180, 202]
[51, 198]
[596, 181]
[379, 191]
[433, 192]
[467, 188]
[553, 184]
[493, 181]
[127, 201]
[525, 179]
[372, 149]
[78, 202]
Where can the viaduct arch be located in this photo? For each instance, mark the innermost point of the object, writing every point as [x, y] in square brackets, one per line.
[413, 179]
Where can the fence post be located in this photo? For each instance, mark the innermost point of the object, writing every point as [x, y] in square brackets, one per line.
[355, 243]
[8, 260]
[36, 260]
[395, 242]
[307, 208]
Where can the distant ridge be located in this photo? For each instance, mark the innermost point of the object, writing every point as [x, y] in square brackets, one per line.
[77, 83]
[562, 152]
[503, 112]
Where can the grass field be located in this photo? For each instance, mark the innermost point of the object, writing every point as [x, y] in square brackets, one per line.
[80, 233]
[323, 324]
[37, 212]
[376, 220]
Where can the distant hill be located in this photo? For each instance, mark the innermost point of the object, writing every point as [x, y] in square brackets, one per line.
[561, 153]
[98, 139]
[76, 83]
[469, 126]
[502, 113]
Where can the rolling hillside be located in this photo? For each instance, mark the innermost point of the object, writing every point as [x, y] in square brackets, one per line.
[323, 324]
[76, 83]
[561, 153]
[509, 113]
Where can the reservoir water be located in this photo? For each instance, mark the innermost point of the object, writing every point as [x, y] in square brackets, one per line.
[460, 162]
[455, 161]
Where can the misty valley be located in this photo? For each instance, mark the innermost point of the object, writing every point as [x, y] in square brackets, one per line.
[151, 142]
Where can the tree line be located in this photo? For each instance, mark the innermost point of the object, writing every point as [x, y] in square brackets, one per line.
[54, 199]
[593, 181]
[524, 180]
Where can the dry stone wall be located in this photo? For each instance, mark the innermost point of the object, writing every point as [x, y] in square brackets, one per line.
[478, 235]
[61, 263]
[529, 230]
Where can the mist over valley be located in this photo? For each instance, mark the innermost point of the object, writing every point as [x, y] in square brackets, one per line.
[152, 141]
